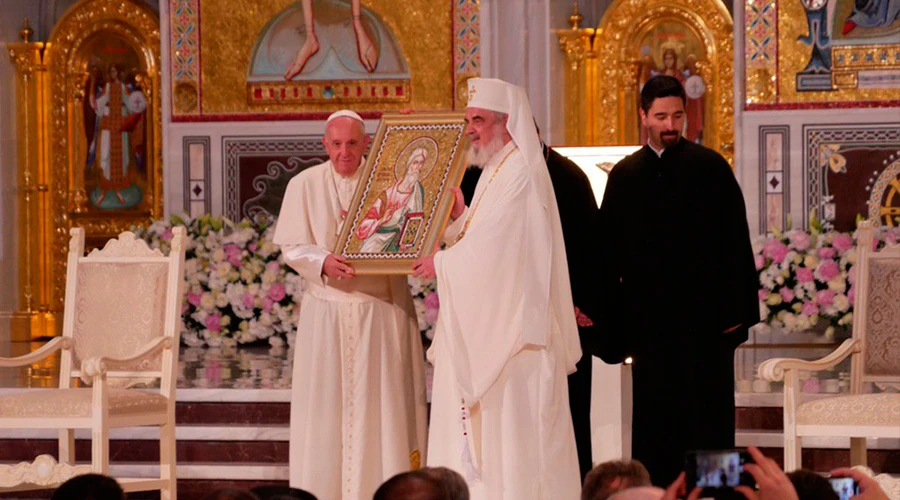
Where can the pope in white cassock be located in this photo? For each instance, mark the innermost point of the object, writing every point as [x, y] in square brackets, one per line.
[358, 388]
[506, 336]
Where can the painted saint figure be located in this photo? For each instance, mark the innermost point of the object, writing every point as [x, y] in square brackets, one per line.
[368, 52]
[118, 129]
[382, 229]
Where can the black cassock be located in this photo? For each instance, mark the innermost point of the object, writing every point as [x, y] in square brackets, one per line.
[577, 207]
[676, 271]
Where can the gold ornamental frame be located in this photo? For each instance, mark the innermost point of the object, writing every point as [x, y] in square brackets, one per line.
[602, 81]
[442, 137]
[57, 113]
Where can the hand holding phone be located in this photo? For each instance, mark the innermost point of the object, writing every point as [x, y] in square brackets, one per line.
[868, 487]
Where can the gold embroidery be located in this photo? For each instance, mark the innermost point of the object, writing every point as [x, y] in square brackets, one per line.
[415, 460]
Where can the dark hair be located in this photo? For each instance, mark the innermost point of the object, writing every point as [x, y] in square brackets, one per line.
[230, 494]
[452, 484]
[660, 86]
[414, 484]
[89, 487]
[610, 477]
[811, 486]
[270, 492]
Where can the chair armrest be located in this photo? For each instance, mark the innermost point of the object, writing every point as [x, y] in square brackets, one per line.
[773, 369]
[45, 351]
[96, 366]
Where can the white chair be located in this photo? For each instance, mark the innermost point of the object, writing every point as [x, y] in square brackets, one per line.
[120, 330]
[875, 357]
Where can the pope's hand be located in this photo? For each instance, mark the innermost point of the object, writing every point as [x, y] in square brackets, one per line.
[459, 203]
[424, 267]
[336, 267]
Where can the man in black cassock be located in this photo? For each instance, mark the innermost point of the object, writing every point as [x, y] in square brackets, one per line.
[678, 285]
[577, 208]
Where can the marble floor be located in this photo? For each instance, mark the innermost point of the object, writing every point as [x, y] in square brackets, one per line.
[253, 367]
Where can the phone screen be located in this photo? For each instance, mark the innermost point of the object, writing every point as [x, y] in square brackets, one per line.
[845, 487]
[717, 469]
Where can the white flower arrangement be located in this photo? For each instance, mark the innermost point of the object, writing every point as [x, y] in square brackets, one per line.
[239, 290]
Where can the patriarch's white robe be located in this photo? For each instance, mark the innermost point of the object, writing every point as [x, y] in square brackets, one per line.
[358, 390]
[506, 339]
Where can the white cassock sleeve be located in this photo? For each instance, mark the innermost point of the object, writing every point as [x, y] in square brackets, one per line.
[455, 227]
[307, 260]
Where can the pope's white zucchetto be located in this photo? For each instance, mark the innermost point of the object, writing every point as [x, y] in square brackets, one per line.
[344, 113]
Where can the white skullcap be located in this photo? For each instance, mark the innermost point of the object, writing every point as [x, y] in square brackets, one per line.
[343, 113]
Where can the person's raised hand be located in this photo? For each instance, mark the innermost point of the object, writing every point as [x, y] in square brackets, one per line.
[772, 482]
[336, 267]
[869, 489]
[678, 488]
[459, 203]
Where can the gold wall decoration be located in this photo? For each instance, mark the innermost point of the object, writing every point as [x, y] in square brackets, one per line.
[94, 114]
[690, 39]
[575, 42]
[824, 60]
[242, 43]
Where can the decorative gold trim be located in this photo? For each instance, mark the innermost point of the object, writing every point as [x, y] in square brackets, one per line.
[575, 42]
[67, 65]
[613, 76]
[306, 92]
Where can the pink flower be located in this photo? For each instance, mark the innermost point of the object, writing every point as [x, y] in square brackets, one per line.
[763, 294]
[253, 246]
[760, 261]
[825, 297]
[273, 267]
[826, 253]
[213, 322]
[851, 294]
[233, 255]
[431, 316]
[851, 274]
[787, 294]
[194, 298]
[809, 308]
[167, 234]
[804, 275]
[432, 301]
[775, 250]
[248, 300]
[267, 304]
[828, 270]
[800, 240]
[276, 292]
[842, 242]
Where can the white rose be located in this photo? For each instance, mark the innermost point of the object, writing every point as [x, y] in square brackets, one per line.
[221, 300]
[218, 255]
[207, 301]
[838, 284]
[841, 302]
[811, 261]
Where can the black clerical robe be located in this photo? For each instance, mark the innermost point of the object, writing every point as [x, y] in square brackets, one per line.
[577, 209]
[676, 271]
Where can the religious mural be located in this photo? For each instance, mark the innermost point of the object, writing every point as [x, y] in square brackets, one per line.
[331, 50]
[304, 59]
[822, 53]
[114, 124]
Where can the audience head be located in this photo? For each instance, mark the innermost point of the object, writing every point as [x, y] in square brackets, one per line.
[452, 483]
[616, 475]
[89, 487]
[230, 494]
[413, 485]
[281, 493]
[811, 486]
[639, 493]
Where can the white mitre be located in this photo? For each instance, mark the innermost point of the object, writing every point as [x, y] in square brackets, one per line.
[344, 113]
[496, 95]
